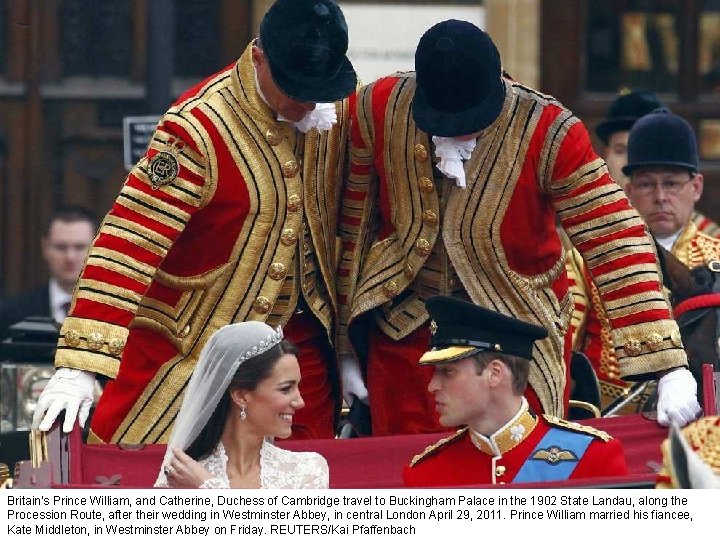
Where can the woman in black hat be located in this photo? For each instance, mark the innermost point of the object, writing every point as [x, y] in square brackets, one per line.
[456, 179]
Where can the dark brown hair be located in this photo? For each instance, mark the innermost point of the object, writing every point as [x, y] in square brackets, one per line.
[519, 368]
[247, 377]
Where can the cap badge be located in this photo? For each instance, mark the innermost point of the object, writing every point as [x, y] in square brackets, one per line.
[433, 327]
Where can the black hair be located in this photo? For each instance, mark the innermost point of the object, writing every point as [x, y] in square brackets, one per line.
[71, 214]
[247, 377]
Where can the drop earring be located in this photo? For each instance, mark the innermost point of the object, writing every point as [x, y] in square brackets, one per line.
[243, 414]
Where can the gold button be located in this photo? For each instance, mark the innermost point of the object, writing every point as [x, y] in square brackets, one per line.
[422, 247]
[421, 152]
[500, 470]
[95, 341]
[288, 237]
[185, 332]
[654, 341]
[307, 266]
[261, 304]
[390, 289]
[675, 338]
[290, 169]
[116, 346]
[409, 271]
[425, 184]
[273, 136]
[632, 347]
[277, 271]
[294, 202]
[430, 217]
[72, 338]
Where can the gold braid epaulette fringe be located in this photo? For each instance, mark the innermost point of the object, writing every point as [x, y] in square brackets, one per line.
[578, 428]
[703, 436]
[435, 447]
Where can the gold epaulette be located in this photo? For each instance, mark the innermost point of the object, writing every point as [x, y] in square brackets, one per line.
[435, 447]
[578, 428]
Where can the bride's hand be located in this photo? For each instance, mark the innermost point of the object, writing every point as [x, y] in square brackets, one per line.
[182, 471]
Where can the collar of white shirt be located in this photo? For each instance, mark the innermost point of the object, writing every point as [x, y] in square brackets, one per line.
[58, 299]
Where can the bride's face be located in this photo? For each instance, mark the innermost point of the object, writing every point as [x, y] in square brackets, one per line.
[271, 406]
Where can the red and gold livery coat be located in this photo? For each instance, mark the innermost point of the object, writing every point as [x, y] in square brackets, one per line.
[204, 232]
[705, 224]
[467, 458]
[534, 162]
[693, 248]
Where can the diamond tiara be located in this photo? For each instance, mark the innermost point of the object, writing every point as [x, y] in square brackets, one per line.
[264, 345]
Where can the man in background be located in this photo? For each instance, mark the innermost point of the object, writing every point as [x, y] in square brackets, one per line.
[664, 185]
[65, 243]
[613, 131]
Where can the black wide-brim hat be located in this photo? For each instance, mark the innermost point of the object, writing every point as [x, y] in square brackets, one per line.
[459, 87]
[661, 139]
[305, 42]
[460, 329]
[624, 111]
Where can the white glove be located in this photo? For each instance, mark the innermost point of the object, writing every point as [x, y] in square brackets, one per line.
[353, 385]
[69, 389]
[677, 398]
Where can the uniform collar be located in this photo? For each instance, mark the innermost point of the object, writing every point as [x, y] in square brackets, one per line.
[508, 436]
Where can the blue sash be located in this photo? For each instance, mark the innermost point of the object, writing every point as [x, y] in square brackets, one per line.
[567, 446]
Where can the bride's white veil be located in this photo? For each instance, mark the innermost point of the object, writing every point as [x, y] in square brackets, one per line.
[229, 347]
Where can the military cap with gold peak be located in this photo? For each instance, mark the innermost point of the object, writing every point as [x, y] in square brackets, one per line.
[460, 329]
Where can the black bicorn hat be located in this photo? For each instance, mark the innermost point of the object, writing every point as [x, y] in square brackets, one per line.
[459, 80]
[460, 329]
[661, 139]
[624, 111]
[305, 42]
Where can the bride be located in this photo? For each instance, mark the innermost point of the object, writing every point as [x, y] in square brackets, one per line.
[243, 392]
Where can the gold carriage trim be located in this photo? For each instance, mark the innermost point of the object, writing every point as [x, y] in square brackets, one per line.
[435, 447]
[578, 428]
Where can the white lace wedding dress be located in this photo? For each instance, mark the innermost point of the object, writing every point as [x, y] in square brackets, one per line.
[279, 469]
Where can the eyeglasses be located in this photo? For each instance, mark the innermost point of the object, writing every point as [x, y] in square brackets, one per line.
[646, 187]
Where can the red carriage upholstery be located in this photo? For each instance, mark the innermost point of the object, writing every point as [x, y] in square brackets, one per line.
[372, 462]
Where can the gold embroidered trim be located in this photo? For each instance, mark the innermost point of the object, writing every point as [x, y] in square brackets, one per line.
[509, 436]
[578, 428]
[436, 447]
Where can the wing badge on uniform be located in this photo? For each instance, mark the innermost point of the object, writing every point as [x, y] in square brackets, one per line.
[554, 455]
[163, 169]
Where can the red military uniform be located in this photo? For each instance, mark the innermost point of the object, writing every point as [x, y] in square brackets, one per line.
[230, 216]
[468, 458]
[409, 234]
[693, 248]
